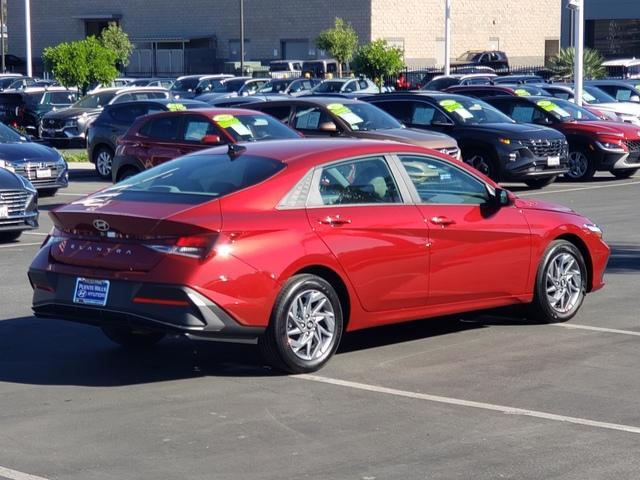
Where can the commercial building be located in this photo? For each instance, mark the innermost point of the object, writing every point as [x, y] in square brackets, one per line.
[611, 26]
[199, 35]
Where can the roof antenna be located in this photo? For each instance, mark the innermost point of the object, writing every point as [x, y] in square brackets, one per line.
[235, 150]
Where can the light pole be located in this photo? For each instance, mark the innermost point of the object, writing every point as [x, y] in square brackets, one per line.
[577, 6]
[447, 37]
[242, 37]
[4, 69]
[27, 28]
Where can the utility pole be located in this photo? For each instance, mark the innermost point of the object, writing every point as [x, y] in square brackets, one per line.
[577, 6]
[4, 68]
[242, 37]
[447, 37]
[27, 27]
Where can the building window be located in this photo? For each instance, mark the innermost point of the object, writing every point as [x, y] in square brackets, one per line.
[614, 37]
[95, 27]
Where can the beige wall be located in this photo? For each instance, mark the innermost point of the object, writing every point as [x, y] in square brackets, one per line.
[521, 27]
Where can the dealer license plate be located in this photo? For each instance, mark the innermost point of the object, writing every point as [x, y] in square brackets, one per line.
[91, 292]
[553, 161]
[43, 173]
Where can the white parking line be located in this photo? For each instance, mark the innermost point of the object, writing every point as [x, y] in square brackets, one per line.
[573, 326]
[35, 233]
[16, 475]
[66, 194]
[471, 404]
[594, 187]
[17, 245]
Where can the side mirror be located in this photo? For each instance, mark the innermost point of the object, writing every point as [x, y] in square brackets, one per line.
[328, 127]
[211, 140]
[634, 98]
[499, 197]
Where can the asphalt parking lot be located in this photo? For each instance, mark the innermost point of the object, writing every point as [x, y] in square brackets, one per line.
[482, 397]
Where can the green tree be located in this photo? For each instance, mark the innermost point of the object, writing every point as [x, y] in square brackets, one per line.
[562, 63]
[341, 42]
[81, 63]
[378, 60]
[115, 39]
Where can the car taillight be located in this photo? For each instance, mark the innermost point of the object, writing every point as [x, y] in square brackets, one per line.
[54, 236]
[194, 246]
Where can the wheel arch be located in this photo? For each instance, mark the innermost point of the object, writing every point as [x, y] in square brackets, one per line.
[95, 150]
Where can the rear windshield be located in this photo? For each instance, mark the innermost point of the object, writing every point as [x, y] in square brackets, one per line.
[197, 178]
[185, 85]
[95, 100]
[253, 127]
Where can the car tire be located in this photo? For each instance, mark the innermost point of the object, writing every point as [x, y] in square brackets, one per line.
[6, 237]
[128, 338]
[540, 182]
[47, 192]
[582, 166]
[482, 160]
[561, 284]
[624, 173]
[298, 340]
[103, 160]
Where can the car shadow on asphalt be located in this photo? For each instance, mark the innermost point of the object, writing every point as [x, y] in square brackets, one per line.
[50, 352]
[625, 258]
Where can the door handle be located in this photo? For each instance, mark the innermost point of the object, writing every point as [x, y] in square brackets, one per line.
[439, 220]
[334, 220]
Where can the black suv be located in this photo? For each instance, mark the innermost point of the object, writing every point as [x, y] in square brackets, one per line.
[495, 59]
[490, 141]
[115, 120]
[24, 109]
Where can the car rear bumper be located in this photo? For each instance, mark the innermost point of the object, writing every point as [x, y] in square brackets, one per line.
[171, 309]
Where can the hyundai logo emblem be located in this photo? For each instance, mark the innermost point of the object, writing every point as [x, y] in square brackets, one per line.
[100, 225]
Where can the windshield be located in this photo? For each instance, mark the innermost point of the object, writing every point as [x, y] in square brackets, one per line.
[95, 100]
[469, 111]
[363, 116]
[254, 127]
[196, 178]
[229, 86]
[331, 86]
[274, 86]
[468, 56]
[185, 85]
[9, 134]
[566, 111]
[595, 95]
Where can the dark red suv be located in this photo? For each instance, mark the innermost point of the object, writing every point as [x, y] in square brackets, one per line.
[154, 139]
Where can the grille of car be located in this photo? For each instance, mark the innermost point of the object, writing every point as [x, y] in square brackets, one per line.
[545, 148]
[454, 152]
[16, 201]
[29, 171]
[52, 123]
[633, 145]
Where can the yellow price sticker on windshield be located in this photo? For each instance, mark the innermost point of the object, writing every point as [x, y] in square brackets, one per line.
[547, 105]
[176, 107]
[522, 92]
[451, 105]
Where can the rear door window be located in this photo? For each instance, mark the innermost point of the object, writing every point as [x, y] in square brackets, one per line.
[196, 128]
[163, 128]
[310, 118]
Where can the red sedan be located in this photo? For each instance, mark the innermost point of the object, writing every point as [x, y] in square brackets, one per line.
[293, 243]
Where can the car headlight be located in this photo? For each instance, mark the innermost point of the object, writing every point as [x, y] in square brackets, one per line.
[611, 146]
[593, 228]
[7, 165]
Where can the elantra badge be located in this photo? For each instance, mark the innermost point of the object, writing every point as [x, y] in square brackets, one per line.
[100, 225]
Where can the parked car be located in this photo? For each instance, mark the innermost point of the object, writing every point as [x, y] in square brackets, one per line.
[233, 87]
[294, 243]
[594, 97]
[18, 205]
[281, 69]
[288, 86]
[24, 109]
[593, 144]
[345, 85]
[44, 167]
[70, 124]
[161, 137]
[518, 79]
[495, 59]
[441, 82]
[6, 79]
[153, 82]
[510, 90]
[490, 141]
[626, 68]
[189, 86]
[115, 120]
[620, 90]
[344, 117]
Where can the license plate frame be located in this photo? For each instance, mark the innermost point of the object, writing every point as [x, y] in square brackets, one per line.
[43, 173]
[92, 292]
[553, 161]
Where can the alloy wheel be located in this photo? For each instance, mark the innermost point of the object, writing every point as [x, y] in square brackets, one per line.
[578, 165]
[103, 163]
[310, 325]
[564, 282]
[482, 164]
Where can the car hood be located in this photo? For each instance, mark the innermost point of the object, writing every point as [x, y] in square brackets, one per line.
[528, 204]
[412, 136]
[619, 107]
[517, 131]
[28, 151]
[630, 132]
[72, 113]
[9, 181]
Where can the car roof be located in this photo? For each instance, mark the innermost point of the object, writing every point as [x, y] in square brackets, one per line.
[496, 88]
[162, 101]
[418, 94]
[213, 111]
[321, 100]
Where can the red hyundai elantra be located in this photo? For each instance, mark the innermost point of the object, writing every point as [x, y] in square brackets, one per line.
[292, 243]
